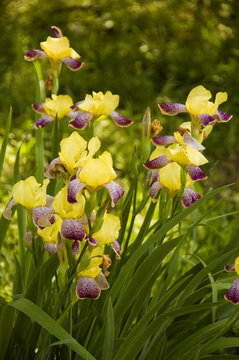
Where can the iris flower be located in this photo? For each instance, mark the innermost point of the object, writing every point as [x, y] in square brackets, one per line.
[57, 49]
[93, 107]
[166, 163]
[28, 193]
[199, 106]
[57, 106]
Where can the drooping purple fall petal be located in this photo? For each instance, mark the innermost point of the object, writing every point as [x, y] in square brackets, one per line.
[172, 109]
[57, 31]
[43, 121]
[35, 54]
[80, 119]
[206, 119]
[163, 140]
[221, 116]
[233, 293]
[157, 163]
[73, 188]
[230, 268]
[39, 107]
[116, 247]
[189, 197]
[50, 248]
[7, 213]
[87, 288]
[72, 229]
[195, 173]
[120, 120]
[192, 142]
[115, 191]
[72, 64]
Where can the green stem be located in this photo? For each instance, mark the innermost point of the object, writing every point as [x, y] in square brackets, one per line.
[55, 83]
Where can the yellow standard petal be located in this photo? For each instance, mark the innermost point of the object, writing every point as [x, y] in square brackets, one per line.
[58, 106]
[57, 48]
[100, 104]
[169, 177]
[185, 155]
[65, 209]
[29, 193]
[109, 230]
[72, 149]
[93, 269]
[49, 233]
[98, 172]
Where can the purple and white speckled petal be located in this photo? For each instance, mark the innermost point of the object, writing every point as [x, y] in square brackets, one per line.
[72, 229]
[73, 188]
[221, 116]
[7, 213]
[189, 197]
[230, 268]
[50, 248]
[76, 247]
[42, 216]
[92, 241]
[172, 109]
[195, 173]
[154, 189]
[43, 121]
[157, 163]
[206, 119]
[102, 282]
[80, 119]
[115, 191]
[120, 120]
[87, 288]
[233, 293]
[57, 31]
[72, 64]
[192, 142]
[163, 140]
[39, 107]
[35, 54]
[52, 168]
[116, 247]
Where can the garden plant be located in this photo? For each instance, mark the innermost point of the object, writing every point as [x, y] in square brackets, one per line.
[107, 263]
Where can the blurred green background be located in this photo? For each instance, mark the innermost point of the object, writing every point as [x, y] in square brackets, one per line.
[148, 52]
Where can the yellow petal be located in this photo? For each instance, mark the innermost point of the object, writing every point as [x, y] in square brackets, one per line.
[65, 209]
[93, 269]
[97, 172]
[49, 233]
[197, 101]
[58, 105]
[169, 177]
[159, 151]
[29, 193]
[185, 155]
[221, 97]
[100, 104]
[93, 146]
[109, 230]
[56, 48]
[71, 149]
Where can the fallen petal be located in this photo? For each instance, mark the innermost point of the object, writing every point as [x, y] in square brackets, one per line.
[115, 191]
[120, 120]
[233, 293]
[87, 288]
[189, 197]
[72, 64]
[172, 109]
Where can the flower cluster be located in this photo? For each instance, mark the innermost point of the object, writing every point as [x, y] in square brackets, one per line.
[182, 153]
[63, 218]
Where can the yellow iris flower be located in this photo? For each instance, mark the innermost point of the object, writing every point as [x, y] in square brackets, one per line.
[58, 106]
[109, 230]
[29, 193]
[198, 101]
[93, 269]
[65, 209]
[99, 104]
[49, 233]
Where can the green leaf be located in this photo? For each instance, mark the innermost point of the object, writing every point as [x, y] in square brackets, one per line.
[5, 139]
[44, 320]
[6, 328]
[109, 333]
